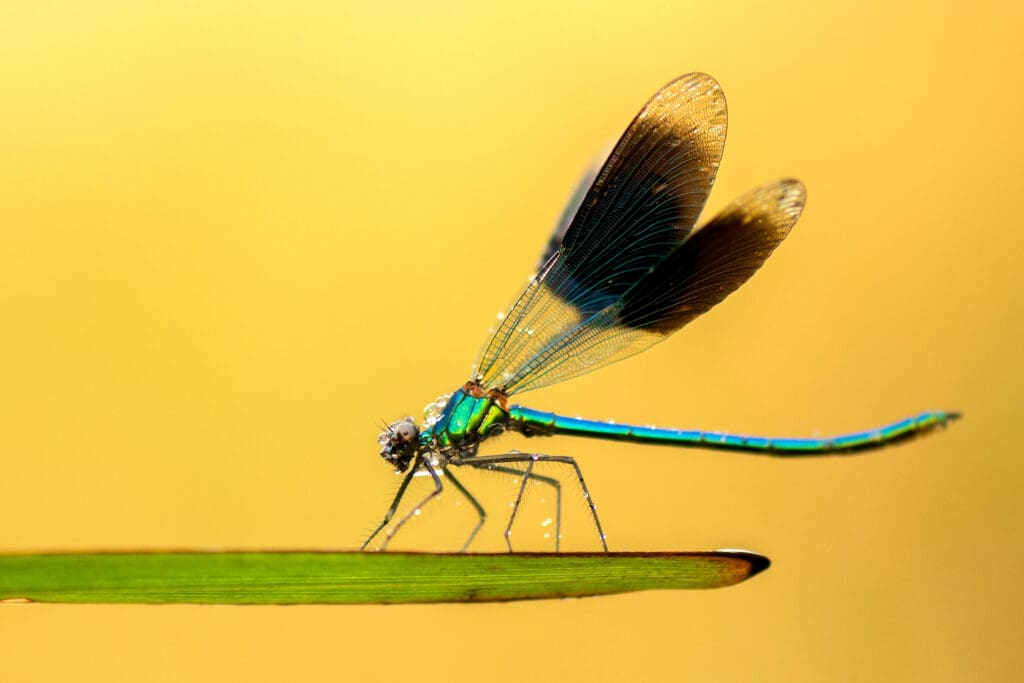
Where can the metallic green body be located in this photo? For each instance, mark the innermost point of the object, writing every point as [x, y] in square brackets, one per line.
[466, 420]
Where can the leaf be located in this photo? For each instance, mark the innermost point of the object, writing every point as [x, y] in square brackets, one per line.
[321, 577]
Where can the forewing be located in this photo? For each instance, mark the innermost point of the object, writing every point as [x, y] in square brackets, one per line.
[698, 274]
[641, 206]
[575, 201]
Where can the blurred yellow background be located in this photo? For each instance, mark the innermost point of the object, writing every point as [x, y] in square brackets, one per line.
[234, 237]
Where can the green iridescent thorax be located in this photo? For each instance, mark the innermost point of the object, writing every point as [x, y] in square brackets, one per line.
[467, 418]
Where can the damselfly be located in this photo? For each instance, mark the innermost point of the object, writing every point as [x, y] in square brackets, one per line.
[623, 271]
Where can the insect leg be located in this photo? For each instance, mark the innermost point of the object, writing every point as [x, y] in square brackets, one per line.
[394, 506]
[419, 506]
[530, 458]
[472, 501]
[550, 481]
[515, 505]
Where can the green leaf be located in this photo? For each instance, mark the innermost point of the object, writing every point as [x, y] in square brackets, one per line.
[310, 577]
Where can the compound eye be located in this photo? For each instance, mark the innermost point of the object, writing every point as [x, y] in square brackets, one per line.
[406, 431]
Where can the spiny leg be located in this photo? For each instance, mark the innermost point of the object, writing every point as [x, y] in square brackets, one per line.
[550, 481]
[394, 506]
[472, 501]
[419, 506]
[515, 505]
[530, 458]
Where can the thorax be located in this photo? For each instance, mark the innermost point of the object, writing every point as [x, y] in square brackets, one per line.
[470, 415]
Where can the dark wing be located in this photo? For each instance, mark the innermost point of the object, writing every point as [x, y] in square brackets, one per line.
[575, 201]
[642, 205]
[715, 260]
[698, 274]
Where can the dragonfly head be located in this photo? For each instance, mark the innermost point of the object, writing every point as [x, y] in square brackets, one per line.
[399, 443]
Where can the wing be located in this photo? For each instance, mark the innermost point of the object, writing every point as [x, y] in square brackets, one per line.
[698, 274]
[642, 205]
[575, 201]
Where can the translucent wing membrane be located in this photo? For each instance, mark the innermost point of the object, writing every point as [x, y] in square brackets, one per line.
[640, 208]
[575, 201]
[695, 276]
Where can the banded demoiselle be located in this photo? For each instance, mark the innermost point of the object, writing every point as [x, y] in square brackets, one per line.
[623, 270]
